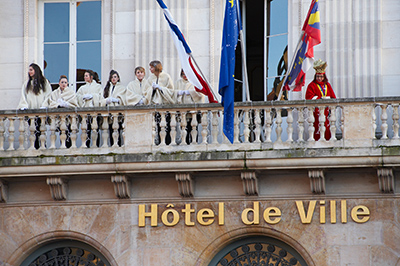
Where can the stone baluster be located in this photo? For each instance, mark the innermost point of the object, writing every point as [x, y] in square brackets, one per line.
[173, 128]
[96, 128]
[395, 121]
[74, 130]
[268, 124]
[289, 121]
[321, 120]
[2, 129]
[11, 131]
[63, 128]
[310, 121]
[163, 124]
[342, 122]
[204, 123]
[332, 122]
[32, 129]
[122, 135]
[194, 127]
[384, 118]
[215, 125]
[374, 126]
[21, 130]
[300, 123]
[84, 135]
[278, 122]
[115, 134]
[235, 126]
[42, 128]
[257, 122]
[246, 123]
[183, 127]
[154, 128]
[26, 133]
[53, 123]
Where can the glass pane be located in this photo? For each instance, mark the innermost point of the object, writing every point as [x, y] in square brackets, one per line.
[56, 57]
[89, 57]
[277, 47]
[279, 17]
[56, 22]
[89, 21]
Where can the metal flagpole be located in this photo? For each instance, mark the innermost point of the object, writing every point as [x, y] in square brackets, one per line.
[204, 77]
[290, 68]
[246, 80]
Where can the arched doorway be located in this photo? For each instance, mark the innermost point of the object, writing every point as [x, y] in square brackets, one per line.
[257, 251]
[66, 252]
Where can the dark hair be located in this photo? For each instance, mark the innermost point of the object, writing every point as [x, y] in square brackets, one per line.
[106, 92]
[325, 78]
[182, 73]
[62, 77]
[157, 65]
[93, 74]
[38, 80]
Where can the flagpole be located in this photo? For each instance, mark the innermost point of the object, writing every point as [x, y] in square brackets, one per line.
[290, 68]
[246, 80]
[205, 79]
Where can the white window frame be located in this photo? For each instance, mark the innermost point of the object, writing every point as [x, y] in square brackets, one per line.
[72, 37]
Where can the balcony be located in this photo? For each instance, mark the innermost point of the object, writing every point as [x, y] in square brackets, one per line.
[269, 136]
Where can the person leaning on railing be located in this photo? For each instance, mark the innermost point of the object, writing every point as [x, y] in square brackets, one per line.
[35, 90]
[114, 95]
[320, 88]
[185, 93]
[135, 88]
[62, 97]
[33, 93]
[89, 95]
[159, 89]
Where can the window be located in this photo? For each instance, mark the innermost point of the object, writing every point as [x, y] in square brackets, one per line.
[265, 30]
[71, 40]
[258, 251]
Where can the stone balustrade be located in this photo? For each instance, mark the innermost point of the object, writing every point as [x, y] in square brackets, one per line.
[367, 122]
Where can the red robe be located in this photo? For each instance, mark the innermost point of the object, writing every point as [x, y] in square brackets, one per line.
[312, 91]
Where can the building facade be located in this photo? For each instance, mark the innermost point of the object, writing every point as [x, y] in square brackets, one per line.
[274, 196]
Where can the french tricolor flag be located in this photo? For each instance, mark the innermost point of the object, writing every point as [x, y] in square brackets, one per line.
[184, 56]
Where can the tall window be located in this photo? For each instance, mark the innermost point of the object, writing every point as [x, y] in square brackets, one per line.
[265, 28]
[71, 39]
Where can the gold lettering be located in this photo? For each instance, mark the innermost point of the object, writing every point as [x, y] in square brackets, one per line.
[143, 214]
[300, 208]
[256, 214]
[272, 212]
[343, 209]
[360, 210]
[221, 213]
[333, 211]
[175, 216]
[322, 218]
[187, 211]
[205, 214]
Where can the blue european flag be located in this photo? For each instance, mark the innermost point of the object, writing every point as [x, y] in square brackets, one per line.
[230, 37]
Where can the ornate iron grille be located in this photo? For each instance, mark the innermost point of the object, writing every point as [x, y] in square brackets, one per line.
[258, 254]
[67, 256]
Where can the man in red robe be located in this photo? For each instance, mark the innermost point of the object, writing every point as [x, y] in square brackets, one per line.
[320, 88]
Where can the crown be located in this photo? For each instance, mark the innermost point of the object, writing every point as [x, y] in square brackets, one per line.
[320, 66]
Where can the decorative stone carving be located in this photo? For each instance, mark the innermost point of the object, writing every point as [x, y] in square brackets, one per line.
[386, 180]
[250, 183]
[122, 186]
[317, 181]
[185, 184]
[3, 191]
[58, 188]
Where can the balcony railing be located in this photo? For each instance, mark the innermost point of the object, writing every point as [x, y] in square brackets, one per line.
[367, 122]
